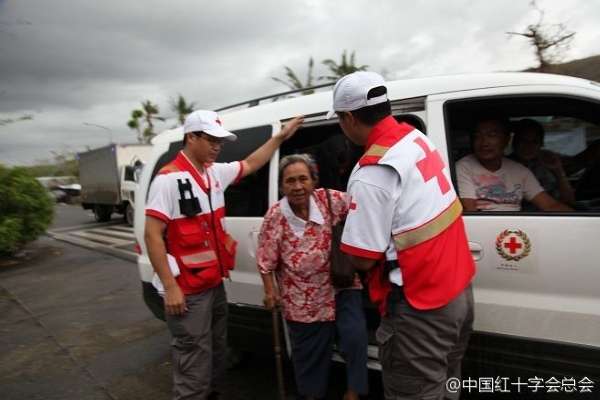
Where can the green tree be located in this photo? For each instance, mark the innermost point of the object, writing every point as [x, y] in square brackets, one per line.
[182, 108]
[293, 82]
[148, 114]
[345, 67]
[134, 123]
[26, 209]
[550, 42]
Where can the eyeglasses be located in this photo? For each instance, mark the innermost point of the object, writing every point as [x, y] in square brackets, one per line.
[215, 141]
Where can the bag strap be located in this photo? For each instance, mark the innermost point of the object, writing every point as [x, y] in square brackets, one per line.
[329, 207]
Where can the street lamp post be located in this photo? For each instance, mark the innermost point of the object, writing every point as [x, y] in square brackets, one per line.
[101, 127]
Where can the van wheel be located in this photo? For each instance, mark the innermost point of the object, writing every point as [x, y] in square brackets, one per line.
[129, 214]
[102, 213]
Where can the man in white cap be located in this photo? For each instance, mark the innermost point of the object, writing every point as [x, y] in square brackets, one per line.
[405, 227]
[184, 219]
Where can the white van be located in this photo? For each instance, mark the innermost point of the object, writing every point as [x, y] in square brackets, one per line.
[537, 312]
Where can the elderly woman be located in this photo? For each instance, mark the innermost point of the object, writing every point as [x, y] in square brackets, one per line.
[295, 241]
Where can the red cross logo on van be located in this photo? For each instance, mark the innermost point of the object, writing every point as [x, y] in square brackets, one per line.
[513, 245]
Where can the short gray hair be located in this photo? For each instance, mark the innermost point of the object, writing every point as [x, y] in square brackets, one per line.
[306, 159]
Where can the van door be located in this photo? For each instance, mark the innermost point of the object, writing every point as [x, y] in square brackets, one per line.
[246, 203]
[538, 271]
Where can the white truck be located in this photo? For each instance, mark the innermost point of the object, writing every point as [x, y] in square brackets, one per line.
[108, 177]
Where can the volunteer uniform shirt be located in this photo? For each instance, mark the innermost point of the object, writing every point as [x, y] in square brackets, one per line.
[164, 194]
[401, 191]
[374, 191]
[501, 190]
[179, 182]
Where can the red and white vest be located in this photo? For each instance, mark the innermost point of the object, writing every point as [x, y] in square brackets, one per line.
[194, 211]
[428, 233]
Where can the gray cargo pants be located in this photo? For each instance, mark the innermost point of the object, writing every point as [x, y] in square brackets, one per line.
[419, 350]
[199, 345]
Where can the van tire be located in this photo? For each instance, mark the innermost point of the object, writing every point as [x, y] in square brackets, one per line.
[102, 213]
[128, 214]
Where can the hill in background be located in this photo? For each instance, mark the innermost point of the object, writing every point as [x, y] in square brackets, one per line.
[586, 68]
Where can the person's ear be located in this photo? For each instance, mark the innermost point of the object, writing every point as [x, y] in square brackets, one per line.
[348, 118]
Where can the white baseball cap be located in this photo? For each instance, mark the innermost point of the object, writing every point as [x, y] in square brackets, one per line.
[207, 122]
[350, 91]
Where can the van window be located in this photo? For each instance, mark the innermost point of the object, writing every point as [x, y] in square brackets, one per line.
[249, 197]
[334, 154]
[556, 138]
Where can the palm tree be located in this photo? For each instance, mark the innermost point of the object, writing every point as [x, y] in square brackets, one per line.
[148, 114]
[181, 108]
[134, 123]
[345, 67]
[294, 83]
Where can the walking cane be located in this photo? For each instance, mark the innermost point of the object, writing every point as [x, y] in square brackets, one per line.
[277, 349]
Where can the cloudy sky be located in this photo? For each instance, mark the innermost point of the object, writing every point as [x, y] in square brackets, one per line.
[80, 67]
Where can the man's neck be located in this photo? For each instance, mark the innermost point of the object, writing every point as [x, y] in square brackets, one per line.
[371, 133]
[492, 165]
[196, 163]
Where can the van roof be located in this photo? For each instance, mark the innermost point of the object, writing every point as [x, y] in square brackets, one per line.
[400, 89]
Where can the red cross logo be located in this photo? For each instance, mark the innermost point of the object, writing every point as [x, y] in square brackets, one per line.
[432, 166]
[512, 245]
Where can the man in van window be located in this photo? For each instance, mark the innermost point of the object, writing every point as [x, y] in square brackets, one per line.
[405, 227]
[191, 252]
[488, 181]
[547, 167]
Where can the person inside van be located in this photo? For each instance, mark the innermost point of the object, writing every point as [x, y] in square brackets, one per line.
[528, 139]
[489, 181]
[294, 242]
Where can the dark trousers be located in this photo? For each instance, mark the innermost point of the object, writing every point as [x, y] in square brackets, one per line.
[199, 345]
[351, 328]
[312, 347]
[420, 349]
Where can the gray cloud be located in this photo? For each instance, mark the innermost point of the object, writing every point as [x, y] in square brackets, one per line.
[72, 62]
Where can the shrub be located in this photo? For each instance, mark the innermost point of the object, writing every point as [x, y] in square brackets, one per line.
[26, 209]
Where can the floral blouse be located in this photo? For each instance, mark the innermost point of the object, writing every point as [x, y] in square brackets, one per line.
[300, 258]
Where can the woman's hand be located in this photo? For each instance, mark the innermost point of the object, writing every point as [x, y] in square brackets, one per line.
[271, 299]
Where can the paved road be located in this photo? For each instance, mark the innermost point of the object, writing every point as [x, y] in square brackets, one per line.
[74, 225]
[74, 326]
[66, 215]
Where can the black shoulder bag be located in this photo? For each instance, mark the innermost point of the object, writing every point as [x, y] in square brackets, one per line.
[340, 268]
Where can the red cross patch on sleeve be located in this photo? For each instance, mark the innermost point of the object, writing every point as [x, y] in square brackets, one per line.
[352, 205]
